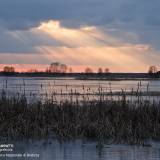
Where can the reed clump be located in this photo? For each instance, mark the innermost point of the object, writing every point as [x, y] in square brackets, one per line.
[116, 120]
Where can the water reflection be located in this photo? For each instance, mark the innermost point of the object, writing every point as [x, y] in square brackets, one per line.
[86, 150]
[70, 89]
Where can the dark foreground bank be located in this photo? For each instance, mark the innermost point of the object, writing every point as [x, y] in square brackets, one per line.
[118, 121]
[87, 76]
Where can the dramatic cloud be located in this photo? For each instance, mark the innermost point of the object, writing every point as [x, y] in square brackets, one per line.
[20, 14]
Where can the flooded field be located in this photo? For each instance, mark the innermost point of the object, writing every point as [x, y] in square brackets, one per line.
[71, 89]
[84, 150]
[39, 119]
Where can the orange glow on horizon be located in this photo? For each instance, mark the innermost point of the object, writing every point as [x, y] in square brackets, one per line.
[75, 68]
[42, 68]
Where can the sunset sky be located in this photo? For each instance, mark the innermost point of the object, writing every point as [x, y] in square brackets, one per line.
[123, 35]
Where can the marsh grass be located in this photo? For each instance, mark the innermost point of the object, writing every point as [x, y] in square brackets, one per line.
[119, 121]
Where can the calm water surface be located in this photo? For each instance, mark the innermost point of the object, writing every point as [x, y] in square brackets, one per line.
[85, 150]
[62, 89]
[77, 150]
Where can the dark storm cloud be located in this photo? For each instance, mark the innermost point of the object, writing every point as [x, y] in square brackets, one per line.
[10, 44]
[23, 42]
[137, 16]
[20, 14]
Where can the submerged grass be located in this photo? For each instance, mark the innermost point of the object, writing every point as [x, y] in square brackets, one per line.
[118, 120]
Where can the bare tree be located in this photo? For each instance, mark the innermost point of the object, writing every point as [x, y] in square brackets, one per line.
[54, 67]
[8, 69]
[88, 70]
[47, 70]
[106, 70]
[70, 70]
[63, 68]
[152, 70]
[100, 70]
[57, 67]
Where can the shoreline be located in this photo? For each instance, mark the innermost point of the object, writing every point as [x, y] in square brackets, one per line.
[113, 77]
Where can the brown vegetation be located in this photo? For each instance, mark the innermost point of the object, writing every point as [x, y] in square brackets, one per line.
[116, 120]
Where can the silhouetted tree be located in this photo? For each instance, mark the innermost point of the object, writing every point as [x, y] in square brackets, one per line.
[106, 70]
[63, 68]
[70, 70]
[32, 71]
[56, 67]
[88, 70]
[100, 70]
[47, 70]
[152, 70]
[8, 69]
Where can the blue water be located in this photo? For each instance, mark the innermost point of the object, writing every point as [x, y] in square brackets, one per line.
[76, 150]
[62, 88]
[84, 150]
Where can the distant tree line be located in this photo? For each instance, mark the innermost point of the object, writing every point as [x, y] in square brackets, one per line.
[100, 70]
[57, 67]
